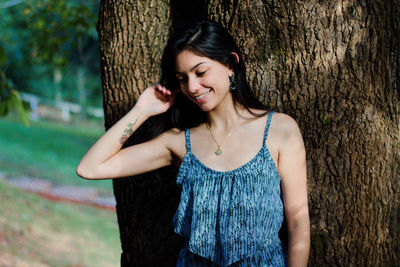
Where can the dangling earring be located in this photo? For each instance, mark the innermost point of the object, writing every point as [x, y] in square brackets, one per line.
[233, 82]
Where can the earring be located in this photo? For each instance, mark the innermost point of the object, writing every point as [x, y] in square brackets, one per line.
[232, 86]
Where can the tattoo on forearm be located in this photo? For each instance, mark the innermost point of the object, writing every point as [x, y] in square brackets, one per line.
[127, 132]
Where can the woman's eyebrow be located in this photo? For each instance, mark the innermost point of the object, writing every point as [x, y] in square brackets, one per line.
[192, 68]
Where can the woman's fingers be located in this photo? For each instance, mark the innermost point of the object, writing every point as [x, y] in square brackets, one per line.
[162, 89]
[163, 94]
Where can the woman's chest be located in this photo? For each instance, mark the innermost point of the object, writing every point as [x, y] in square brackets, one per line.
[231, 154]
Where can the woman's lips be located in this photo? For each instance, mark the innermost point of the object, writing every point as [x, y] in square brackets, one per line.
[202, 97]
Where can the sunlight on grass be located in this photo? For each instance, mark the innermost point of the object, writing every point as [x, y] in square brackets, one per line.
[47, 150]
[39, 232]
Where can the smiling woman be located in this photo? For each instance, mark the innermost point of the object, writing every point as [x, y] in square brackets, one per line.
[241, 166]
[202, 80]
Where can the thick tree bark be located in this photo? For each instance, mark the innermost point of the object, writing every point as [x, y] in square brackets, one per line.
[132, 36]
[333, 66]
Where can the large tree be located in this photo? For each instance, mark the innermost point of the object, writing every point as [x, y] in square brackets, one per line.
[332, 65]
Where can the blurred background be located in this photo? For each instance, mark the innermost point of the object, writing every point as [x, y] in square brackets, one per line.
[50, 114]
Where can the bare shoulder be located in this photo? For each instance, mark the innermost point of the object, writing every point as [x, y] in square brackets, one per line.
[174, 132]
[284, 123]
[174, 140]
[286, 129]
[173, 136]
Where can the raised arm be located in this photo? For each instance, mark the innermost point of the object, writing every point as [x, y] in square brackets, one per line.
[105, 159]
[292, 168]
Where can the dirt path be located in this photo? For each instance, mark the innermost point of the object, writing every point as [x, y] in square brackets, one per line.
[55, 192]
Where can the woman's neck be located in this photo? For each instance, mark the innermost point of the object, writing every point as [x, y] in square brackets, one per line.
[225, 115]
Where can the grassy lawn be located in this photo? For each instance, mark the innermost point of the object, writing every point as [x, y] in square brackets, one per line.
[48, 150]
[37, 232]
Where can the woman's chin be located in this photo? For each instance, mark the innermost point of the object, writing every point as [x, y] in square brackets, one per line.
[205, 107]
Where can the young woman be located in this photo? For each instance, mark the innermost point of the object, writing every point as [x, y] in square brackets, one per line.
[240, 166]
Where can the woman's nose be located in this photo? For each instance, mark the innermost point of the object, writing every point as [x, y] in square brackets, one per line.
[193, 85]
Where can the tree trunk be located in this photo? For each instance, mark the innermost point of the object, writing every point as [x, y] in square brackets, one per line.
[81, 85]
[81, 79]
[57, 78]
[333, 66]
[132, 35]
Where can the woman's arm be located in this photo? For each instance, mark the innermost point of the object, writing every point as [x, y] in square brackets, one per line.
[292, 169]
[105, 159]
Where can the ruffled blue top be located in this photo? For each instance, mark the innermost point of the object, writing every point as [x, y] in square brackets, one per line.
[230, 217]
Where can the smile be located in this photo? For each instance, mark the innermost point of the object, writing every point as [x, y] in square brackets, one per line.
[200, 97]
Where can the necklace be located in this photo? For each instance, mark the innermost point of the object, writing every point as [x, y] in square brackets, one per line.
[218, 152]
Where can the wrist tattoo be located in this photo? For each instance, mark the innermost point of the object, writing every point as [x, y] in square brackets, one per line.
[127, 132]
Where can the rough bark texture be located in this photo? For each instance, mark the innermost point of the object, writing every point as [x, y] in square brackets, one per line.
[332, 65]
[132, 36]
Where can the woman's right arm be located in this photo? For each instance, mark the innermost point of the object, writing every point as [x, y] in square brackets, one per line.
[105, 159]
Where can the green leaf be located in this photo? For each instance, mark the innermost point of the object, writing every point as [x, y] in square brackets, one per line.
[14, 102]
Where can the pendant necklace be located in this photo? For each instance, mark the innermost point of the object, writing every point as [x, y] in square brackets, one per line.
[218, 152]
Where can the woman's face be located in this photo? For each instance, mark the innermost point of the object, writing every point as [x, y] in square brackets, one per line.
[203, 80]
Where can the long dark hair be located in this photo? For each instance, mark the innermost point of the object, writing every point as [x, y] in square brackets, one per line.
[206, 38]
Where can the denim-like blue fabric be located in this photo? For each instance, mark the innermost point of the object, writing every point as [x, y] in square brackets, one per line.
[230, 218]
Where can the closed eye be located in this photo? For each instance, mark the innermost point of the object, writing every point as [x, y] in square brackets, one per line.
[199, 74]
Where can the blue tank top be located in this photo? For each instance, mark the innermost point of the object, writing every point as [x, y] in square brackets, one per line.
[230, 218]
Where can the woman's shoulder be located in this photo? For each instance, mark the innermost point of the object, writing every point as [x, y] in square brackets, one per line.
[173, 134]
[285, 128]
[174, 140]
[284, 121]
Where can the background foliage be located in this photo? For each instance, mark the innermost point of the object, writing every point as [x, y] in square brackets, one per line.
[49, 48]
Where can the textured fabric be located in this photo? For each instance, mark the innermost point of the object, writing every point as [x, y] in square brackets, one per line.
[230, 218]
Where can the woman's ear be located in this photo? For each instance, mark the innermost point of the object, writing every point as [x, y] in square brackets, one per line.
[236, 58]
[235, 55]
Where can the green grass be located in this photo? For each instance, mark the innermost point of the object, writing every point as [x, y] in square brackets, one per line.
[37, 232]
[48, 150]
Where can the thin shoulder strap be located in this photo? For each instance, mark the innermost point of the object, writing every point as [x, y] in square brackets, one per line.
[187, 135]
[267, 125]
